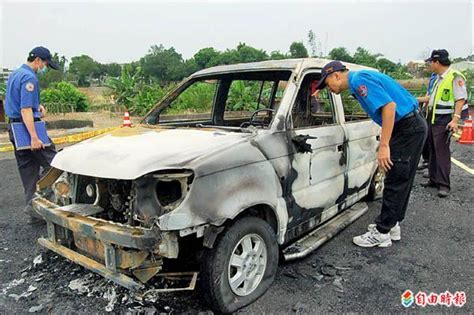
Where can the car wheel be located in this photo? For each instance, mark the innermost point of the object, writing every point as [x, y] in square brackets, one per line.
[241, 266]
[376, 186]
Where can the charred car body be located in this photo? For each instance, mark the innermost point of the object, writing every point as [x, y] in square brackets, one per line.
[266, 167]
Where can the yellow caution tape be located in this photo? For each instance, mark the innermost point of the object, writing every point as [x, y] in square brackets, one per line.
[68, 139]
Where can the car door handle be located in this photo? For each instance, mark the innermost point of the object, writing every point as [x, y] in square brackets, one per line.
[377, 138]
[301, 145]
[340, 148]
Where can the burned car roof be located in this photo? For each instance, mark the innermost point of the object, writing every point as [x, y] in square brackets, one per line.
[284, 64]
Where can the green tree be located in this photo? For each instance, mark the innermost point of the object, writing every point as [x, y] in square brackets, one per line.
[340, 53]
[249, 54]
[386, 66]
[112, 69]
[84, 68]
[297, 50]
[204, 57]
[363, 57]
[276, 54]
[163, 64]
[54, 76]
[190, 67]
[127, 86]
[228, 57]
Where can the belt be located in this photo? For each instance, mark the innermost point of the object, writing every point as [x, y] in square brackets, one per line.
[17, 120]
[409, 115]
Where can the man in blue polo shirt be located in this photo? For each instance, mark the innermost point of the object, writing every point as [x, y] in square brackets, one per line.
[22, 104]
[401, 141]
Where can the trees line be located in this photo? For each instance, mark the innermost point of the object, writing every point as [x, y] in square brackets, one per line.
[163, 65]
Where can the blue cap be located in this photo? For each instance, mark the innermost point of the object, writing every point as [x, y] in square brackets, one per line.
[45, 55]
[329, 68]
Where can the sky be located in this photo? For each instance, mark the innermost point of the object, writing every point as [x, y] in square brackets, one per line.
[121, 31]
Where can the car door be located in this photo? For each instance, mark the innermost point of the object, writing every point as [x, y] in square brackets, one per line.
[363, 140]
[320, 160]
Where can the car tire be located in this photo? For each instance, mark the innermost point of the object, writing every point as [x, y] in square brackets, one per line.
[376, 186]
[252, 245]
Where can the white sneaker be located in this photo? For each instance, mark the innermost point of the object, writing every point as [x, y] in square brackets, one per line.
[395, 232]
[373, 238]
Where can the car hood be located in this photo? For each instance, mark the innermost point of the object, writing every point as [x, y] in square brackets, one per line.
[129, 153]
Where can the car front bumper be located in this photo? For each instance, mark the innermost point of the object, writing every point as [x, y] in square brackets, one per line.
[113, 250]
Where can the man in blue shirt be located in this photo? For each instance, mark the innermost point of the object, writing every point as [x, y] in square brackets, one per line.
[401, 141]
[22, 104]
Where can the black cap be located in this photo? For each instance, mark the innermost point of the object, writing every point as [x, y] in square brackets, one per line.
[329, 68]
[44, 54]
[438, 54]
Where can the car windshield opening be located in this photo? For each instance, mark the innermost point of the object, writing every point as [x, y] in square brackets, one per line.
[231, 101]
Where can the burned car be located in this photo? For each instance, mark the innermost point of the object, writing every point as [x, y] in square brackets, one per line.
[260, 167]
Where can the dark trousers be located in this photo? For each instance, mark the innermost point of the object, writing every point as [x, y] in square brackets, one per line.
[440, 156]
[31, 165]
[406, 144]
[426, 148]
[426, 152]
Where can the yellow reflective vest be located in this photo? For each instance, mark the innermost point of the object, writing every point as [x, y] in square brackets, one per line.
[444, 98]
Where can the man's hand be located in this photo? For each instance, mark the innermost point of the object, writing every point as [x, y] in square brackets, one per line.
[36, 144]
[383, 158]
[315, 94]
[42, 111]
[423, 99]
[453, 125]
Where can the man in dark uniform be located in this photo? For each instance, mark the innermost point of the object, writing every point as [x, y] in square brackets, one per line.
[447, 102]
[23, 105]
[401, 141]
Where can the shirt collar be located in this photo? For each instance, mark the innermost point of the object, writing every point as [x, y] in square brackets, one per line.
[443, 75]
[28, 68]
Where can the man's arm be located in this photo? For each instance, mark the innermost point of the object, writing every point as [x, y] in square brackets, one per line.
[423, 99]
[388, 120]
[28, 120]
[460, 95]
[453, 124]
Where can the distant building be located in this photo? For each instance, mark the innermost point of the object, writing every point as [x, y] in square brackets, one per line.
[416, 67]
[463, 65]
[4, 74]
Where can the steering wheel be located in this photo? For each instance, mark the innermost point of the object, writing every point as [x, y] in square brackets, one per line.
[251, 122]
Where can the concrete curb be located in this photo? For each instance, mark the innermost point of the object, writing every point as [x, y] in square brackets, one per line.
[67, 139]
[59, 124]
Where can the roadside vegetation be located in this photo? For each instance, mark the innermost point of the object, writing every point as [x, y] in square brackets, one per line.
[139, 85]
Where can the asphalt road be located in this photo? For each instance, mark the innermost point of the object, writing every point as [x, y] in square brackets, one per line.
[434, 255]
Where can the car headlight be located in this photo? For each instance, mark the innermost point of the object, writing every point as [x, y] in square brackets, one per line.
[62, 189]
[171, 189]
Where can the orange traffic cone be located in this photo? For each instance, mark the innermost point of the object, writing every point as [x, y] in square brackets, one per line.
[126, 120]
[467, 136]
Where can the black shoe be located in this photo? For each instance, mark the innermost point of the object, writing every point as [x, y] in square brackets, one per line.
[33, 218]
[429, 184]
[443, 193]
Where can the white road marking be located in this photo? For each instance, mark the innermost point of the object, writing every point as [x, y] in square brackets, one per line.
[463, 166]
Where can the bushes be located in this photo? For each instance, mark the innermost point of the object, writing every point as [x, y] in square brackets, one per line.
[3, 90]
[146, 99]
[64, 97]
[131, 91]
